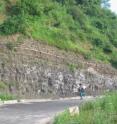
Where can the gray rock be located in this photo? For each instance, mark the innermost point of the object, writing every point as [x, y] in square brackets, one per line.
[35, 77]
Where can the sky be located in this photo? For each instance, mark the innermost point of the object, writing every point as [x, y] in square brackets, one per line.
[113, 5]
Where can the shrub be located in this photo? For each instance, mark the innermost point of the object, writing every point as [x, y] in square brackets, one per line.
[13, 25]
[108, 48]
[78, 15]
[5, 97]
[98, 42]
[114, 60]
[31, 7]
[2, 85]
[88, 56]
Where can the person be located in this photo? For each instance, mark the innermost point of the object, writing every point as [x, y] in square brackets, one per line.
[81, 91]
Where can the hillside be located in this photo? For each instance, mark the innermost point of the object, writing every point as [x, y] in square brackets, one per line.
[81, 26]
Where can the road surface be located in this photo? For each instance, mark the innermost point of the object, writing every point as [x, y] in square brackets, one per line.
[33, 112]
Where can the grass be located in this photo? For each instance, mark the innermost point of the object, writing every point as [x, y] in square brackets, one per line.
[101, 111]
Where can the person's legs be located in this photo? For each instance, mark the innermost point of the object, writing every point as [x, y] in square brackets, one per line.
[81, 95]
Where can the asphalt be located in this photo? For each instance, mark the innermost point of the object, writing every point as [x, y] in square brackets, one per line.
[34, 112]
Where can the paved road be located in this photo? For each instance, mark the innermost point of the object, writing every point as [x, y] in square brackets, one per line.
[33, 112]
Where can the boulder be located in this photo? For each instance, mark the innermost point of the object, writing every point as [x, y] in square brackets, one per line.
[74, 110]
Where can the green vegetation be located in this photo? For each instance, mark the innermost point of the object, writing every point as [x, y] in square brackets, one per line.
[72, 67]
[82, 26]
[2, 85]
[6, 97]
[102, 111]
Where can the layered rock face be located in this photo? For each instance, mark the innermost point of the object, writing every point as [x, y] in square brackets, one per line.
[43, 80]
[30, 76]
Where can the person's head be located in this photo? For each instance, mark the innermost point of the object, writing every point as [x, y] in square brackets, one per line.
[80, 84]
